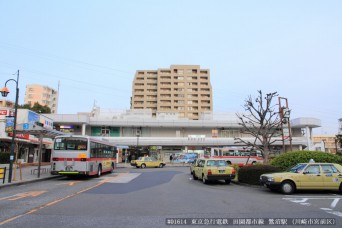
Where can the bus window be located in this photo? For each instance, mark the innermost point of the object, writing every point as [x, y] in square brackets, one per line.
[216, 152]
[237, 153]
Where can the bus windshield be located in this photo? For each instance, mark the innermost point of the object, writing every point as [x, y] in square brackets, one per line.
[71, 143]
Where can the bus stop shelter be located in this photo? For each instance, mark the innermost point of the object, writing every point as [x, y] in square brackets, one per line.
[39, 132]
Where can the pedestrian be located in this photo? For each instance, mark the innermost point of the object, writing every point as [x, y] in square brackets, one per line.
[171, 157]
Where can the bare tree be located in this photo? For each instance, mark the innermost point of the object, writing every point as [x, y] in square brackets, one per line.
[261, 121]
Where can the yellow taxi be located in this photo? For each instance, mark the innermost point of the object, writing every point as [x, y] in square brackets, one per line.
[143, 162]
[305, 176]
[210, 169]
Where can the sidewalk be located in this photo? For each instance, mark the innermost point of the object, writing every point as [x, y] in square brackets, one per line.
[29, 172]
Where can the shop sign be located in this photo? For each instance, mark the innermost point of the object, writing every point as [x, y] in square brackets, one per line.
[3, 112]
[20, 136]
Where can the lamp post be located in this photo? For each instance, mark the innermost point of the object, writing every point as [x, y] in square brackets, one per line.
[4, 92]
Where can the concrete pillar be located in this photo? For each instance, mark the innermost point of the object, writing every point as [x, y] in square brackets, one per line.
[83, 129]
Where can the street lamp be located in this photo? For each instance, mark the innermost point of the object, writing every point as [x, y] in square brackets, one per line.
[4, 92]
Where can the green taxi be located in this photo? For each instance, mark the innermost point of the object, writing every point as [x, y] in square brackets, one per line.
[143, 162]
[305, 176]
[212, 169]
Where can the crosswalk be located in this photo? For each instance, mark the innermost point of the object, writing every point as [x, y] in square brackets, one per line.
[120, 178]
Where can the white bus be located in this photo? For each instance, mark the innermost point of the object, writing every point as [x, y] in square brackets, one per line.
[236, 155]
[82, 155]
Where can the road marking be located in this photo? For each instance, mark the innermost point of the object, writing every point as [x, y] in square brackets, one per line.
[51, 203]
[333, 204]
[330, 210]
[23, 195]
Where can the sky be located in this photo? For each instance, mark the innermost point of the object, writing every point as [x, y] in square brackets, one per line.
[91, 50]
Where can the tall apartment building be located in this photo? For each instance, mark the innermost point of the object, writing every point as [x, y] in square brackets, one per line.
[182, 89]
[42, 94]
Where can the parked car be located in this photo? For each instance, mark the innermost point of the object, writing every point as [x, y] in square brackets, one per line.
[213, 169]
[143, 162]
[305, 176]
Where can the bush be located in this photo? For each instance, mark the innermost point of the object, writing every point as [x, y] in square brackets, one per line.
[251, 174]
[4, 158]
[289, 159]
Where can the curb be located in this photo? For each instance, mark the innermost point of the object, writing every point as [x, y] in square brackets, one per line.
[28, 181]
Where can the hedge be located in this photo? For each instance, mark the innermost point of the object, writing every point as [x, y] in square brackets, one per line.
[289, 159]
[251, 174]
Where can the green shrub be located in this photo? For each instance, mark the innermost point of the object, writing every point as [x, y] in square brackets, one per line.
[289, 159]
[4, 158]
[251, 174]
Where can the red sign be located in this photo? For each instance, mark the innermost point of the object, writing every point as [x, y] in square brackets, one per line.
[3, 112]
[20, 136]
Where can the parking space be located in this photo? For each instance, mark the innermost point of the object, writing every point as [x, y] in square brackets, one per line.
[329, 203]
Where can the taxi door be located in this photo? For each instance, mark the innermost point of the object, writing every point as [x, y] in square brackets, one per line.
[312, 177]
[331, 176]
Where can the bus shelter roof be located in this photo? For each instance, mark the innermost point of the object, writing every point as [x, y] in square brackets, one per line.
[37, 130]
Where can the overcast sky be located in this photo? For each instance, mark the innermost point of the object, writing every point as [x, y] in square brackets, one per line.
[93, 48]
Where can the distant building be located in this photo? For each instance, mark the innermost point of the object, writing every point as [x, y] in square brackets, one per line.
[181, 90]
[6, 104]
[42, 94]
[325, 143]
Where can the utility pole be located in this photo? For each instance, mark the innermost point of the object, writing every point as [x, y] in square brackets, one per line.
[284, 113]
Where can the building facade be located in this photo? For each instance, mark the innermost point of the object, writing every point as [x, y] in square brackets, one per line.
[143, 133]
[42, 94]
[183, 90]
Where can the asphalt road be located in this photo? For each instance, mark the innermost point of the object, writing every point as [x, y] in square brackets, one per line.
[154, 197]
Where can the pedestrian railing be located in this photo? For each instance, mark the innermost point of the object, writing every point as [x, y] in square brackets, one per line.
[3, 174]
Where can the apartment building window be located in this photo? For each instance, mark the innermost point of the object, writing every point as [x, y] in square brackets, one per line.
[151, 72]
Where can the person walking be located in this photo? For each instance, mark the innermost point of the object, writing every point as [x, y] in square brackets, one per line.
[171, 157]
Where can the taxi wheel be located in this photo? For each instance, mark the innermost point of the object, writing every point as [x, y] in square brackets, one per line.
[205, 181]
[340, 189]
[287, 187]
[194, 176]
[161, 165]
[143, 166]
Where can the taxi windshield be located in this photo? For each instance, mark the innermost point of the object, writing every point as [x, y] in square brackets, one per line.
[297, 168]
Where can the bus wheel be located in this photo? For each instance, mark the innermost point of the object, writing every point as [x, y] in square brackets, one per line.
[229, 162]
[143, 166]
[99, 171]
[227, 181]
[254, 163]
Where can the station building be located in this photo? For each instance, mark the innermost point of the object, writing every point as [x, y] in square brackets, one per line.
[138, 132]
